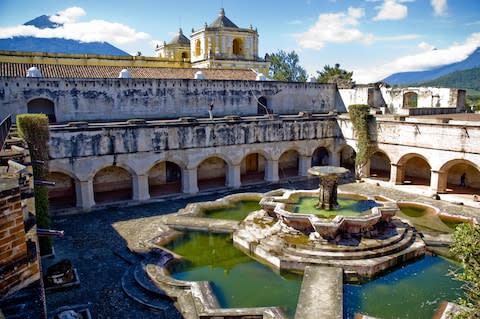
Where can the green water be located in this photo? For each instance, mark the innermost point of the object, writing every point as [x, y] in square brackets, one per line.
[347, 207]
[413, 291]
[423, 219]
[236, 279]
[237, 212]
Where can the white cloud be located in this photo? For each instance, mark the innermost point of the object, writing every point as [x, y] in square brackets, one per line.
[93, 30]
[425, 46]
[439, 7]
[391, 10]
[421, 61]
[333, 27]
[69, 15]
[341, 28]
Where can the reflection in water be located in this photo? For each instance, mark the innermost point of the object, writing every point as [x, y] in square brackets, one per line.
[413, 291]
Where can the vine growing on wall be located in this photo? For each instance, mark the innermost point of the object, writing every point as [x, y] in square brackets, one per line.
[360, 115]
[33, 128]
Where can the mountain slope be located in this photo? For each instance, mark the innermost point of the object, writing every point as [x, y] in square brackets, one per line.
[56, 45]
[466, 79]
[403, 78]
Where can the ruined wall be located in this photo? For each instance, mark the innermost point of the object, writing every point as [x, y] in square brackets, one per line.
[438, 141]
[121, 99]
[159, 136]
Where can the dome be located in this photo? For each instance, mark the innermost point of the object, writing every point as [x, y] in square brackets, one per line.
[199, 75]
[124, 74]
[312, 78]
[222, 21]
[180, 39]
[34, 72]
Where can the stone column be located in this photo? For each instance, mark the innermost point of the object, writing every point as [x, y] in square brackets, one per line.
[271, 171]
[84, 192]
[233, 176]
[189, 181]
[366, 169]
[397, 174]
[140, 187]
[304, 163]
[335, 159]
[438, 182]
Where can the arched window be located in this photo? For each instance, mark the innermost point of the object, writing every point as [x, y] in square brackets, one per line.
[262, 107]
[410, 100]
[237, 46]
[43, 106]
[197, 47]
[184, 56]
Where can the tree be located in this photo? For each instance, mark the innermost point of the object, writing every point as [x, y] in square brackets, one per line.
[466, 247]
[335, 74]
[285, 67]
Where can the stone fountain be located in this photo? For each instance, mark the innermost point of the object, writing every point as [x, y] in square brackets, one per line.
[328, 182]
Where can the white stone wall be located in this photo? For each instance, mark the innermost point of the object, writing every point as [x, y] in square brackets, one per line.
[122, 99]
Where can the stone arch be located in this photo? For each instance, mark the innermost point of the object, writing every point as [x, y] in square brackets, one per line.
[454, 170]
[198, 47]
[380, 166]
[262, 106]
[237, 46]
[165, 177]
[184, 56]
[321, 156]
[347, 157]
[252, 168]
[415, 168]
[288, 164]
[63, 194]
[211, 173]
[44, 106]
[410, 100]
[112, 183]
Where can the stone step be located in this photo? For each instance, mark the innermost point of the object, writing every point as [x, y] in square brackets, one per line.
[126, 255]
[405, 241]
[141, 277]
[367, 244]
[415, 250]
[151, 300]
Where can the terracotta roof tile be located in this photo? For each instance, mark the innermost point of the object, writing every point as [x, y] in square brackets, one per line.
[91, 71]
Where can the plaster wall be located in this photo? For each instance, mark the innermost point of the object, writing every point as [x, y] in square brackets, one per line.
[438, 143]
[121, 99]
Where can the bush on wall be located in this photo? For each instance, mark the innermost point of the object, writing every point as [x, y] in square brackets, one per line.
[33, 128]
[360, 115]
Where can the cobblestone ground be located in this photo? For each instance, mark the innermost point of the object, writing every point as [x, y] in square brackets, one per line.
[90, 242]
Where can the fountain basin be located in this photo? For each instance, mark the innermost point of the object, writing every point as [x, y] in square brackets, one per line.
[275, 206]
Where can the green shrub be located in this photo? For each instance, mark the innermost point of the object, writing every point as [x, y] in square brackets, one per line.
[33, 128]
[466, 248]
[360, 115]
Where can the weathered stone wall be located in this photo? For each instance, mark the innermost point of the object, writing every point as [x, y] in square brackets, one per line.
[160, 136]
[437, 142]
[121, 99]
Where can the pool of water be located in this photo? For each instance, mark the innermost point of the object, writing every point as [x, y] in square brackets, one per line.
[347, 207]
[236, 279]
[237, 212]
[423, 218]
[413, 291]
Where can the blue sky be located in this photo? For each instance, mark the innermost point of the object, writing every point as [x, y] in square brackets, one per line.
[372, 38]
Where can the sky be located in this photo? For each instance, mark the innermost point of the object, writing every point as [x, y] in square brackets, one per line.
[372, 38]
